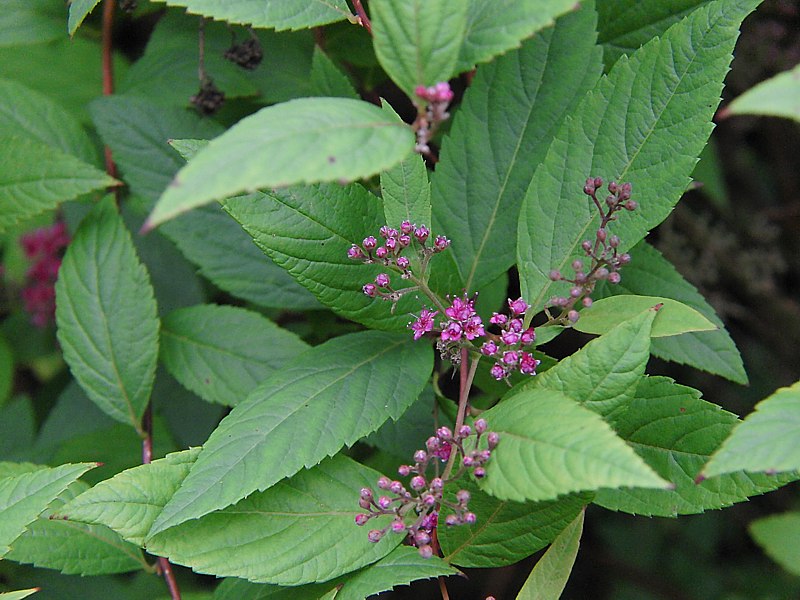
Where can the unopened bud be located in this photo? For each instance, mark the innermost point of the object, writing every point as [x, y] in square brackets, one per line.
[375, 536]
[361, 519]
[480, 425]
[555, 275]
[573, 316]
[614, 277]
[425, 551]
[614, 241]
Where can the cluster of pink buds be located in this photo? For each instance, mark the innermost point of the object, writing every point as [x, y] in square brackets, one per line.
[416, 512]
[506, 348]
[390, 253]
[43, 247]
[604, 258]
[437, 98]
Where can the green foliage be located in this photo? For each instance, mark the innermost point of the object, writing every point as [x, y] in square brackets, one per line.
[775, 97]
[78, 11]
[779, 536]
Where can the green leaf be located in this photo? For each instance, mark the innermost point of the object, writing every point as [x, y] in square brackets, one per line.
[300, 141]
[406, 192]
[418, 41]
[35, 116]
[18, 594]
[78, 11]
[766, 441]
[24, 496]
[549, 576]
[506, 532]
[330, 397]
[496, 27]
[500, 134]
[400, 567]
[227, 256]
[775, 97]
[239, 589]
[328, 80]
[223, 352]
[711, 351]
[273, 14]
[30, 22]
[35, 177]
[627, 129]
[74, 548]
[137, 131]
[672, 318]
[307, 230]
[675, 432]
[550, 445]
[626, 25]
[106, 316]
[6, 370]
[130, 501]
[603, 375]
[405, 436]
[779, 536]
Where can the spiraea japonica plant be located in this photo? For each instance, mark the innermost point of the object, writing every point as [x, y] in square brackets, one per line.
[326, 298]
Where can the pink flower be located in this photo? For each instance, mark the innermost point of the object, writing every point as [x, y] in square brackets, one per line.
[382, 280]
[452, 333]
[497, 371]
[355, 252]
[489, 348]
[518, 306]
[498, 319]
[509, 337]
[510, 357]
[424, 323]
[528, 336]
[474, 328]
[528, 364]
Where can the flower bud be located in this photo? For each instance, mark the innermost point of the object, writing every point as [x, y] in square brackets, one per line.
[440, 243]
[480, 425]
[369, 243]
[601, 234]
[432, 444]
[382, 280]
[366, 493]
[406, 227]
[587, 247]
[479, 472]
[425, 551]
[404, 470]
[365, 504]
[614, 241]
[355, 252]
[384, 502]
[421, 233]
[375, 536]
[396, 487]
[587, 302]
[488, 348]
[492, 438]
[420, 456]
[575, 291]
[437, 484]
[418, 483]
[614, 277]
[577, 265]
[464, 431]
[601, 273]
[391, 244]
[402, 262]
[555, 275]
[382, 252]
[468, 461]
[612, 187]
[404, 240]
[451, 520]
[462, 496]
[384, 482]
[361, 519]
[598, 182]
[631, 205]
[624, 259]
[422, 538]
[398, 526]
[573, 316]
[444, 433]
[370, 290]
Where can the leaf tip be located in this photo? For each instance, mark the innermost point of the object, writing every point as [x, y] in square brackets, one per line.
[658, 307]
[147, 226]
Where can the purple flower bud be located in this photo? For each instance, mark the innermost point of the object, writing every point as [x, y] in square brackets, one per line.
[464, 431]
[421, 91]
[588, 189]
[391, 244]
[510, 357]
[382, 252]
[422, 233]
[573, 316]
[440, 243]
[355, 252]
[479, 472]
[528, 336]
[384, 482]
[484, 455]
[396, 487]
[425, 551]
[420, 456]
[528, 364]
[515, 325]
[587, 247]
[470, 518]
[555, 275]
[561, 301]
[404, 470]
[631, 205]
[480, 425]
[365, 504]
[612, 187]
[451, 520]
[404, 240]
[601, 273]
[443, 93]
[443, 453]
[497, 371]
[366, 493]
[418, 483]
[492, 438]
[462, 496]
[625, 192]
[384, 231]
[369, 243]
[428, 499]
[437, 484]
[577, 265]
[498, 319]
[406, 227]
[580, 278]
[601, 234]
[384, 502]
[614, 241]
[468, 461]
[587, 302]
[444, 433]
[518, 306]
[361, 519]
[430, 521]
[510, 337]
[422, 538]
[398, 526]
[402, 262]
[488, 348]
[624, 259]
[598, 182]
[375, 536]
[370, 290]
[433, 444]
[575, 291]
[614, 277]
[382, 280]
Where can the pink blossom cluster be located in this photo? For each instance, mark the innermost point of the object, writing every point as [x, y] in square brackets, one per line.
[507, 348]
[416, 511]
[43, 246]
[440, 92]
[436, 100]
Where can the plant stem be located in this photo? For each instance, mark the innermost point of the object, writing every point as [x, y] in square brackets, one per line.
[362, 16]
[108, 77]
[443, 589]
[466, 375]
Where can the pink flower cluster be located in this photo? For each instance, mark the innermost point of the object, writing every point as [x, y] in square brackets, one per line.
[43, 247]
[507, 350]
[440, 92]
[436, 98]
[426, 497]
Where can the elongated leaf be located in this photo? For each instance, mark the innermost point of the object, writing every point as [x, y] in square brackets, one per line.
[106, 316]
[222, 352]
[330, 397]
[274, 14]
[418, 41]
[327, 79]
[672, 318]
[675, 432]
[130, 501]
[406, 193]
[775, 97]
[400, 567]
[506, 532]
[36, 116]
[604, 374]
[501, 133]
[24, 496]
[240, 589]
[307, 230]
[137, 131]
[496, 27]
[18, 594]
[628, 129]
[227, 257]
[767, 439]
[550, 445]
[78, 11]
[30, 22]
[300, 141]
[74, 548]
[712, 351]
[549, 576]
[779, 536]
[35, 178]
[626, 25]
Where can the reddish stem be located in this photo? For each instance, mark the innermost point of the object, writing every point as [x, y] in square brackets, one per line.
[362, 16]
